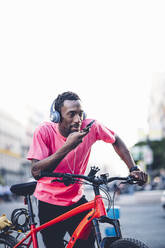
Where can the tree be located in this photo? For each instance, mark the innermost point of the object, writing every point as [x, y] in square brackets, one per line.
[158, 148]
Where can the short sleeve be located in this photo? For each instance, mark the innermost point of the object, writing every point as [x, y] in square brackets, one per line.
[104, 133]
[39, 148]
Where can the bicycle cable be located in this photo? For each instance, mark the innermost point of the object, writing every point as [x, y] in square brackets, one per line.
[113, 200]
[16, 216]
[108, 196]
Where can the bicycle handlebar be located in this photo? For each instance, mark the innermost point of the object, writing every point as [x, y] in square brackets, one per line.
[96, 180]
[56, 174]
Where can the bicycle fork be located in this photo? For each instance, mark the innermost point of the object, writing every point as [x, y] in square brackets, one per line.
[97, 232]
[105, 219]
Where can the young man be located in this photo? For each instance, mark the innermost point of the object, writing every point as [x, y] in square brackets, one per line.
[65, 147]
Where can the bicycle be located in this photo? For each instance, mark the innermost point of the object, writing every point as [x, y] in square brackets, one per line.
[96, 215]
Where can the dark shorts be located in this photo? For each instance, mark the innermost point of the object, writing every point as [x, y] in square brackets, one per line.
[53, 236]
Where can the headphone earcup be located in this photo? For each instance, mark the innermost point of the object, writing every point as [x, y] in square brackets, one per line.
[54, 115]
[84, 115]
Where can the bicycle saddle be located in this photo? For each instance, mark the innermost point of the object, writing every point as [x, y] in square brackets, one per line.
[23, 189]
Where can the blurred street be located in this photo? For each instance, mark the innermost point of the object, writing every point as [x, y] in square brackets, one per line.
[144, 219]
[142, 216]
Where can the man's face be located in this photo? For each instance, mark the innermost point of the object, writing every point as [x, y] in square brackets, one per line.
[71, 116]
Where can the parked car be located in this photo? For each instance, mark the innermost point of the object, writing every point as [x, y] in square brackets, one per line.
[163, 200]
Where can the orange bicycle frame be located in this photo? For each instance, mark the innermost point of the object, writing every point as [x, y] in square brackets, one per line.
[97, 210]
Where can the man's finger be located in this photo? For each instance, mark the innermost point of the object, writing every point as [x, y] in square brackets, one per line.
[134, 174]
[143, 177]
[84, 133]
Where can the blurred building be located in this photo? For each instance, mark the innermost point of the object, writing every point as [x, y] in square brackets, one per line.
[32, 119]
[15, 138]
[11, 139]
[156, 118]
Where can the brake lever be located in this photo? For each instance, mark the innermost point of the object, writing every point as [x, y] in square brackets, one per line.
[57, 180]
[129, 181]
[66, 181]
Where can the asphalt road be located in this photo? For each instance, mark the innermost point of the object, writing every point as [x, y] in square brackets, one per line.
[144, 222]
[141, 217]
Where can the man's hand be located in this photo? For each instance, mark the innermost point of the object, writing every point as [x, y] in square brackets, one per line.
[140, 175]
[126, 156]
[75, 138]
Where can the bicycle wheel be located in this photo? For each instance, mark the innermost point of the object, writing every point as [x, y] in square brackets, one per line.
[124, 243]
[7, 241]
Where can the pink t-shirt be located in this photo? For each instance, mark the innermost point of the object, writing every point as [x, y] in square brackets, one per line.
[46, 141]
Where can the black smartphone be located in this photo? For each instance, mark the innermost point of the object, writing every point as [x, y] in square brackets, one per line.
[88, 126]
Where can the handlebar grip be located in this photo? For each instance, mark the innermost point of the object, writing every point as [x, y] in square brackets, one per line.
[134, 180]
[50, 174]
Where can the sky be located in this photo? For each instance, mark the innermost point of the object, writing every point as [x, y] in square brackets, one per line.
[105, 51]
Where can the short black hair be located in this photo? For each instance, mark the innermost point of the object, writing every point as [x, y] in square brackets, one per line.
[68, 95]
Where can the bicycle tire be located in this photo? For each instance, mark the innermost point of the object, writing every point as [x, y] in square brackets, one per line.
[125, 243]
[7, 241]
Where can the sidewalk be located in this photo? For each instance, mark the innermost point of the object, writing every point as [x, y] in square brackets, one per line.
[140, 197]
